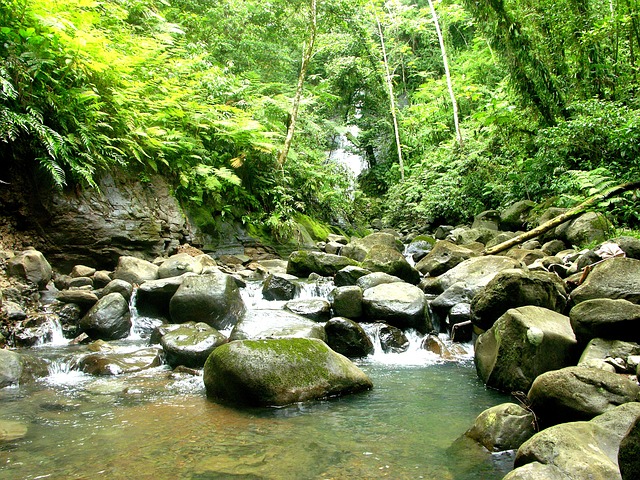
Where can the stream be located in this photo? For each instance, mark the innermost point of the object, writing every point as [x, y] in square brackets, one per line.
[157, 424]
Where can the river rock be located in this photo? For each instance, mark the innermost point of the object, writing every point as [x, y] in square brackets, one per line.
[82, 271]
[589, 227]
[10, 368]
[213, 299]
[280, 372]
[537, 471]
[578, 393]
[108, 319]
[503, 427]
[179, 264]
[101, 278]
[515, 216]
[376, 278]
[31, 266]
[599, 350]
[615, 278]
[358, 248]
[317, 309]
[524, 256]
[392, 339]
[135, 270]
[280, 286]
[606, 318]
[476, 272]
[579, 450]
[79, 282]
[514, 288]
[348, 338]
[381, 258]
[153, 297]
[117, 363]
[302, 263]
[347, 301]
[434, 344]
[522, 344]
[629, 453]
[13, 311]
[443, 257]
[85, 299]
[398, 304]
[349, 275]
[481, 235]
[11, 431]
[118, 286]
[190, 344]
[260, 324]
[454, 295]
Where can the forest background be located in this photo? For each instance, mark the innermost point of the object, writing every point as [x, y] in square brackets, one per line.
[201, 92]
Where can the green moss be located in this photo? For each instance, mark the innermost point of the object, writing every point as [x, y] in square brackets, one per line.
[317, 230]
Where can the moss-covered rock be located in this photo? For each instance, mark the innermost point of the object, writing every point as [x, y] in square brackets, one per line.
[503, 427]
[280, 372]
[302, 263]
[191, 344]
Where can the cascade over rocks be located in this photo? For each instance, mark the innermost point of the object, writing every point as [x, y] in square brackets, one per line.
[398, 304]
[280, 372]
[522, 344]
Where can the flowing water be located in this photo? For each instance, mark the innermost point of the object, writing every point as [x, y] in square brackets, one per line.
[159, 425]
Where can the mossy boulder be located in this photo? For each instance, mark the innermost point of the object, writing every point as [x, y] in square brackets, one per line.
[503, 427]
[280, 372]
[190, 344]
[302, 263]
[381, 258]
[443, 256]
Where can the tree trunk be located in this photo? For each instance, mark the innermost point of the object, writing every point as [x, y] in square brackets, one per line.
[392, 101]
[454, 104]
[560, 219]
[306, 58]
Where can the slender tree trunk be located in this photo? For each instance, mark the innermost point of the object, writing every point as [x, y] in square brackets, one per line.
[454, 104]
[560, 219]
[392, 101]
[306, 59]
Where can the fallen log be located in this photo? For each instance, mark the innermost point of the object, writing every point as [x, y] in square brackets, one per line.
[560, 219]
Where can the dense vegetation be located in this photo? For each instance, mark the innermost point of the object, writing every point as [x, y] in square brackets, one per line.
[201, 93]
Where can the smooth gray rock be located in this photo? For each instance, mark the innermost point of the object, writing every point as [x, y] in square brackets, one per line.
[348, 338]
[31, 266]
[398, 304]
[261, 324]
[476, 272]
[118, 363]
[135, 270]
[108, 319]
[503, 427]
[606, 318]
[179, 264]
[10, 368]
[118, 286]
[317, 309]
[349, 275]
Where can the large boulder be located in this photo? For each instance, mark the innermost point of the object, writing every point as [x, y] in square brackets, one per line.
[503, 427]
[190, 344]
[118, 286]
[317, 309]
[31, 266]
[303, 263]
[629, 453]
[381, 258]
[476, 272]
[108, 319]
[280, 286]
[515, 216]
[135, 270]
[398, 304]
[376, 278]
[606, 318]
[347, 301]
[629, 245]
[599, 352]
[280, 372]
[579, 393]
[358, 248]
[522, 344]
[577, 450]
[517, 288]
[588, 228]
[261, 324]
[443, 256]
[153, 297]
[213, 299]
[117, 362]
[10, 368]
[348, 338]
[179, 264]
[349, 275]
[480, 235]
[614, 278]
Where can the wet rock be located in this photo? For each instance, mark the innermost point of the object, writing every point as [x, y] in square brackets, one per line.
[260, 324]
[31, 266]
[443, 257]
[377, 278]
[434, 344]
[108, 319]
[317, 309]
[537, 471]
[161, 330]
[10, 368]
[278, 286]
[13, 311]
[191, 344]
[454, 295]
[398, 304]
[615, 278]
[179, 264]
[503, 427]
[280, 372]
[347, 301]
[303, 263]
[381, 258]
[358, 248]
[392, 339]
[213, 299]
[606, 318]
[118, 286]
[349, 275]
[578, 393]
[348, 338]
[83, 298]
[11, 431]
[154, 296]
[101, 278]
[135, 270]
[120, 362]
[514, 288]
[522, 344]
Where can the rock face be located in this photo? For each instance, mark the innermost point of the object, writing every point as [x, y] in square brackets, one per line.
[190, 344]
[577, 450]
[348, 338]
[280, 372]
[31, 266]
[398, 304]
[108, 319]
[213, 299]
[503, 427]
[614, 278]
[606, 318]
[524, 343]
[516, 288]
[260, 324]
[578, 393]
[303, 263]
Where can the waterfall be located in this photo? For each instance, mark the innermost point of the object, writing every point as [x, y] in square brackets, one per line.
[141, 326]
